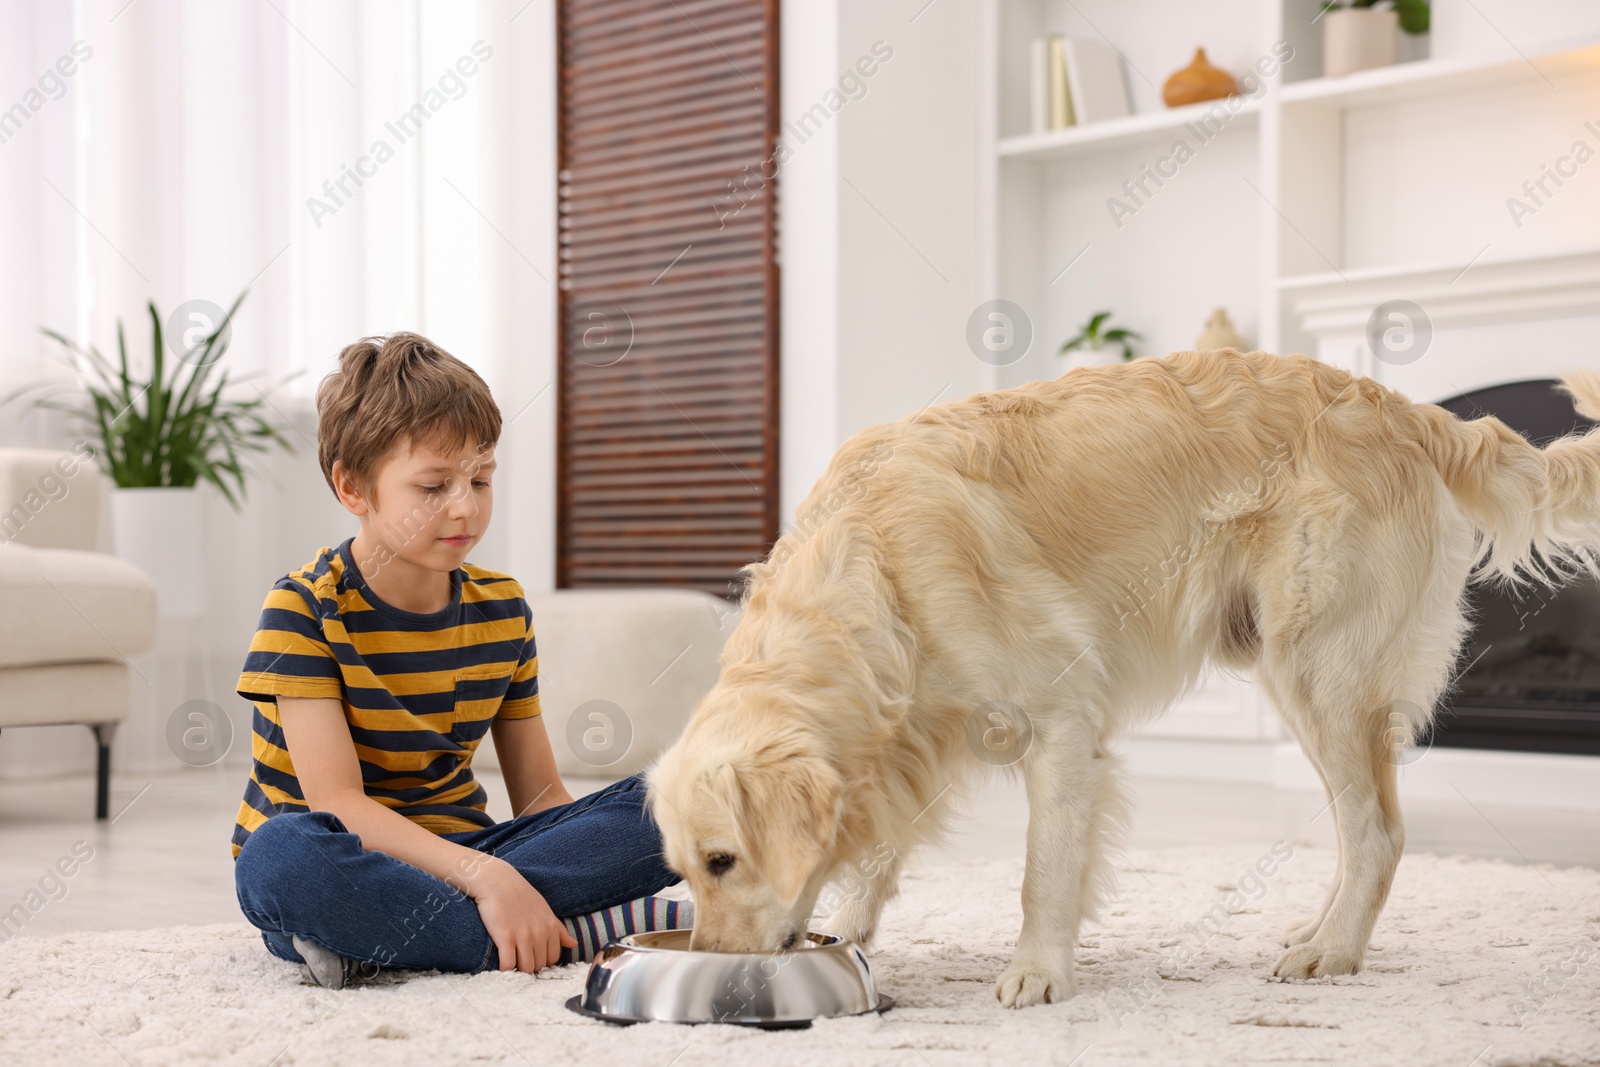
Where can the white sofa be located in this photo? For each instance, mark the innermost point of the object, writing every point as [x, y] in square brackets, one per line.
[69, 616]
[633, 662]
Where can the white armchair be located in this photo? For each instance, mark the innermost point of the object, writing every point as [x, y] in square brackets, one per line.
[69, 615]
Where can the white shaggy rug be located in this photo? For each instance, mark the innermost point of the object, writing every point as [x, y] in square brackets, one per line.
[1474, 963]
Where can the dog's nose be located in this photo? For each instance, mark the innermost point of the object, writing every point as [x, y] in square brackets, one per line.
[789, 941]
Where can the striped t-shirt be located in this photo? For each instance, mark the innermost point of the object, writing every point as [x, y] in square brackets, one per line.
[419, 690]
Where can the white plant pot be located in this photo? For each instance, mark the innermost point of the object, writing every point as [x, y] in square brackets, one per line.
[1087, 357]
[1413, 47]
[1359, 38]
[159, 531]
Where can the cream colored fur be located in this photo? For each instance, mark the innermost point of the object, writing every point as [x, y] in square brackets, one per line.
[1082, 548]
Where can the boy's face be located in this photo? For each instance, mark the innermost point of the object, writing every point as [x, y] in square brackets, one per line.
[432, 506]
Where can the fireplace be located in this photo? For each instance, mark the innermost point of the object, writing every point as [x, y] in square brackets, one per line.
[1528, 676]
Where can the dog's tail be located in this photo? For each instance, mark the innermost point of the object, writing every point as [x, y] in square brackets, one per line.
[1531, 505]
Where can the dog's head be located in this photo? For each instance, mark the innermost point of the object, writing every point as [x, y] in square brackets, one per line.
[749, 816]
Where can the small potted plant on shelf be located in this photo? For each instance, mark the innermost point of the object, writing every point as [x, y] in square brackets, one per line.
[157, 437]
[1100, 342]
[1361, 34]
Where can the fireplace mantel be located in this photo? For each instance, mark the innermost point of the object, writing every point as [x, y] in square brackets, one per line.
[1483, 291]
[1493, 319]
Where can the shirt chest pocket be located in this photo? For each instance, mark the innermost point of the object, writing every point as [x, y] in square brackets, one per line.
[479, 691]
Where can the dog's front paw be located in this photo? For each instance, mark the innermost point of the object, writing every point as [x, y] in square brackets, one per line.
[1024, 985]
[1314, 960]
[853, 922]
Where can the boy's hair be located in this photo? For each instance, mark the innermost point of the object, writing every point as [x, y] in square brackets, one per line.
[394, 389]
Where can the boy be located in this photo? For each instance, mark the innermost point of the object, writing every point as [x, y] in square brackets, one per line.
[362, 840]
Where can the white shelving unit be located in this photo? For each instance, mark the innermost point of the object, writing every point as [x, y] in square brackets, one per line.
[1445, 76]
[1118, 133]
[1336, 193]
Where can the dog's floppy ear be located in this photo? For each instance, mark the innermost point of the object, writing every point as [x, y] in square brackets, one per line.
[787, 812]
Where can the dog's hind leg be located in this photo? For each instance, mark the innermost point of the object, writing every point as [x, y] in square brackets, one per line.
[1298, 933]
[1352, 685]
[1239, 646]
[1071, 786]
[1360, 621]
[1347, 730]
[1333, 680]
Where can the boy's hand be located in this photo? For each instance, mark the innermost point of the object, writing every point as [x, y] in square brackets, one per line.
[526, 933]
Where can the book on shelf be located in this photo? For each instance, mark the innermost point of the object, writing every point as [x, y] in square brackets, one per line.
[1060, 111]
[1073, 81]
[1094, 76]
[1049, 101]
[1039, 85]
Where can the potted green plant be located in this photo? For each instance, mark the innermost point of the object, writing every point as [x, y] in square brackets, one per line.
[1100, 341]
[157, 437]
[1361, 34]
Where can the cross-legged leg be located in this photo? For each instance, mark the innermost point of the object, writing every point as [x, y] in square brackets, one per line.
[304, 873]
[600, 850]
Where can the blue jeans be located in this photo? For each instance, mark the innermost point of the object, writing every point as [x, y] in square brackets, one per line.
[304, 873]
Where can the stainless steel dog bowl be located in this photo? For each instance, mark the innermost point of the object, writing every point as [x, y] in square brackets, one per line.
[654, 977]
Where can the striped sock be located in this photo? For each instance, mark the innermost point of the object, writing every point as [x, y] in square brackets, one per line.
[599, 928]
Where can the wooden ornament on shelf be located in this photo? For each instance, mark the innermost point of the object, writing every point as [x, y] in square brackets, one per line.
[1219, 333]
[1198, 81]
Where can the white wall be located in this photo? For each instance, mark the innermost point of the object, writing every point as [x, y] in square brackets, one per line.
[908, 222]
[880, 229]
[808, 256]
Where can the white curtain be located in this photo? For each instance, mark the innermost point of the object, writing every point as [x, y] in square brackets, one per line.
[174, 150]
[198, 148]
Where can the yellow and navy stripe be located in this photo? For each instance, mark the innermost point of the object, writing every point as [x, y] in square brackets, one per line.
[419, 690]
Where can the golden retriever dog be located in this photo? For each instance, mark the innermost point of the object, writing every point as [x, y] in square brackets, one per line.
[1047, 566]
